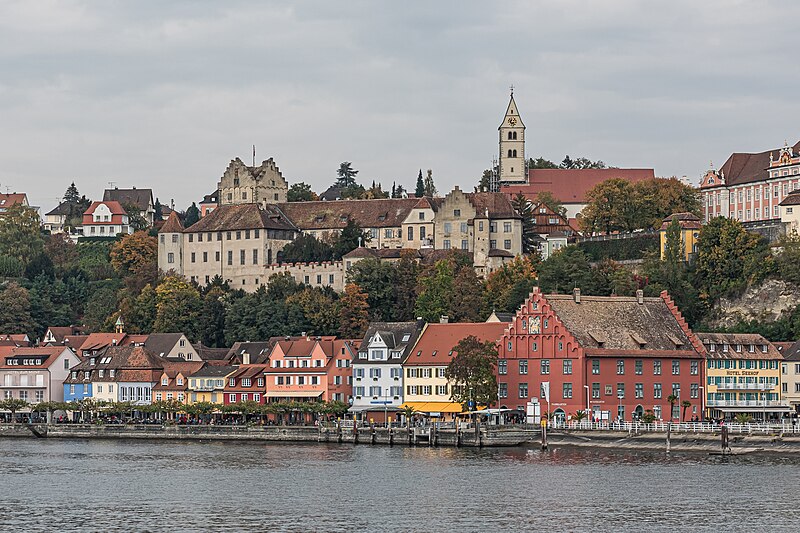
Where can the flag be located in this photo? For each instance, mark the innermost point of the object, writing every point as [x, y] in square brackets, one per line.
[546, 390]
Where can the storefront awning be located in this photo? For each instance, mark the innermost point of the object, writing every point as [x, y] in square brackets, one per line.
[434, 407]
[293, 394]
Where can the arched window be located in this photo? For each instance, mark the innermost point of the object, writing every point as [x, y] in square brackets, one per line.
[514, 135]
[510, 136]
[510, 152]
[514, 152]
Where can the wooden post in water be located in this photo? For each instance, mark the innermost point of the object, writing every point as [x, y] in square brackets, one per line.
[724, 438]
[669, 427]
[544, 433]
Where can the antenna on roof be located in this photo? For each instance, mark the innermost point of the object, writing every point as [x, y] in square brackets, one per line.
[110, 184]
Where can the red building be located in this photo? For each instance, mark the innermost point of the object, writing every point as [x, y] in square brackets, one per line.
[247, 384]
[620, 356]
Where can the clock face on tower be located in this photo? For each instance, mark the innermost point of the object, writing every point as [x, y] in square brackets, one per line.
[512, 121]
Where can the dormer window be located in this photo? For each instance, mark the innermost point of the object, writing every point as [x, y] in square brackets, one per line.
[164, 381]
[112, 372]
[232, 382]
[74, 375]
[100, 373]
[179, 381]
[92, 361]
[764, 348]
[738, 348]
[406, 337]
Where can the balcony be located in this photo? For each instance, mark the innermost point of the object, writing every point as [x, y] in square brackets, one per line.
[747, 386]
[745, 403]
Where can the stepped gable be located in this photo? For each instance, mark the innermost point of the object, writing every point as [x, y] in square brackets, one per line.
[609, 325]
[241, 216]
[493, 204]
[748, 168]
[384, 212]
[172, 225]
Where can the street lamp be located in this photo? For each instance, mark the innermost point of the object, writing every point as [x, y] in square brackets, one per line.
[702, 403]
[588, 413]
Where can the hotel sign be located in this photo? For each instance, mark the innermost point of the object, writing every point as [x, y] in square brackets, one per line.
[741, 372]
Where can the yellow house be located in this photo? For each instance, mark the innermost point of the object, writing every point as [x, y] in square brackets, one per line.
[208, 384]
[743, 376]
[690, 232]
[426, 387]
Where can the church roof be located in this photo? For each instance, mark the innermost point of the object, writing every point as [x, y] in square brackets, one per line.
[570, 186]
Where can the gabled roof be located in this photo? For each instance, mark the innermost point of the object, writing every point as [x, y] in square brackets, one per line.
[242, 216]
[60, 209]
[258, 351]
[172, 225]
[130, 363]
[571, 185]
[385, 212]
[115, 208]
[492, 204]
[47, 355]
[436, 344]
[162, 343]
[97, 341]
[214, 371]
[9, 199]
[792, 199]
[621, 323]
[398, 336]
[142, 199]
[686, 221]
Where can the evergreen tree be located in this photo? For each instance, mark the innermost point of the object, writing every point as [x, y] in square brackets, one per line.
[420, 190]
[158, 213]
[377, 279]
[72, 198]
[192, 215]
[305, 249]
[346, 175]
[467, 304]
[348, 239]
[430, 188]
[213, 312]
[405, 287]
[524, 209]
[394, 190]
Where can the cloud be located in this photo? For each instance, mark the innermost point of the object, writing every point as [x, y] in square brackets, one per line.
[163, 95]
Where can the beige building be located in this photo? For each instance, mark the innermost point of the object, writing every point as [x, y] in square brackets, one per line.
[512, 146]
[233, 241]
[790, 375]
[241, 184]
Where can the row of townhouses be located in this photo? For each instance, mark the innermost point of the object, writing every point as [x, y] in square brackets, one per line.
[615, 357]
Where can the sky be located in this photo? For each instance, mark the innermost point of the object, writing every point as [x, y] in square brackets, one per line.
[164, 94]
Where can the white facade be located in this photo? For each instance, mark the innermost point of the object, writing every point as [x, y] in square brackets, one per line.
[377, 376]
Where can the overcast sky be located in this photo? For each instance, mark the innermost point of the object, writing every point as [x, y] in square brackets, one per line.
[164, 94]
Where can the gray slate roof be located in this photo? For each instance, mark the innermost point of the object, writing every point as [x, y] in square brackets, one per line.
[394, 335]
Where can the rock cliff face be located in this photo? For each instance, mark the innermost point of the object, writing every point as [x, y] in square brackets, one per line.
[765, 302]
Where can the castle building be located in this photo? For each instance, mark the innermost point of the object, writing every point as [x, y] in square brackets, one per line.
[242, 184]
[750, 187]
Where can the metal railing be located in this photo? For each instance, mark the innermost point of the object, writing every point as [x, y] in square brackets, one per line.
[786, 426]
[746, 403]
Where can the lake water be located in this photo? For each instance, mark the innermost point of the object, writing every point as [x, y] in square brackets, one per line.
[108, 485]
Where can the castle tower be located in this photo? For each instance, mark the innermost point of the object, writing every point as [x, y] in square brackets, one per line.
[512, 146]
[170, 245]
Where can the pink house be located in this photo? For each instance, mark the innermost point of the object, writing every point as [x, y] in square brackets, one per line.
[36, 375]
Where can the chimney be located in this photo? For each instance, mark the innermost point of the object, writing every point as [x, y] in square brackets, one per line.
[576, 295]
[245, 358]
[420, 322]
[640, 296]
[303, 334]
[113, 342]
[444, 319]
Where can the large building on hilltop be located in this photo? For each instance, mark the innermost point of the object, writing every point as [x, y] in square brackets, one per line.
[750, 187]
[242, 184]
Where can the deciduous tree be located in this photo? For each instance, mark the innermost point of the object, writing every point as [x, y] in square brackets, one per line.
[472, 372]
[377, 279]
[301, 192]
[353, 313]
[15, 310]
[135, 258]
[20, 233]
[177, 307]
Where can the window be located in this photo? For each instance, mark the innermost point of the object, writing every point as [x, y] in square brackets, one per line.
[639, 390]
[456, 212]
[193, 254]
[595, 366]
[502, 390]
[493, 244]
[567, 391]
[448, 228]
[230, 257]
[502, 366]
[637, 367]
[246, 382]
[544, 366]
[523, 390]
[676, 367]
[523, 367]
[241, 257]
[657, 367]
[170, 257]
[507, 244]
[411, 233]
[447, 244]
[595, 390]
[620, 367]
[567, 366]
[676, 389]
[620, 390]
[506, 227]
[694, 390]
[694, 368]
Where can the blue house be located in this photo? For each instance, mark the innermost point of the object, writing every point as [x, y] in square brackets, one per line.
[76, 388]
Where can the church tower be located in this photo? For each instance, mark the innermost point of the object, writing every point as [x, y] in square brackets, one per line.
[512, 146]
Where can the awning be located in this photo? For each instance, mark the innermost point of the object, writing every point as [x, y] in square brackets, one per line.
[434, 407]
[293, 394]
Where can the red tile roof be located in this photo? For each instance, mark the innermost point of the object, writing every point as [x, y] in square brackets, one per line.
[172, 225]
[47, 354]
[114, 207]
[7, 200]
[747, 168]
[442, 338]
[571, 185]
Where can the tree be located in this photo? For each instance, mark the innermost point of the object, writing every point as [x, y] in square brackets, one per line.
[135, 259]
[657, 198]
[728, 257]
[20, 233]
[672, 399]
[306, 248]
[192, 215]
[347, 176]
[565, 270]
[430, 188]
[788, 260]
[506, 288]
[353, 313]
[136, 217]
[301, 192]
[101, 304]
[15, 310]
[685, 404]
[547, 198]
[319, 307]
[52, 303]
[400, 192]
[485, 183]
[524, 209]
[541, 162]
[405, 286]
[435, 291]
[609, 207]
[581, 162]
[471, 372]
[13, 405]
[158, 212]
[140, 314]
[177, 307]
[351, 237]
[467, 303]
[76, 205]
[419, 192]
[377, 280]
[63, 253]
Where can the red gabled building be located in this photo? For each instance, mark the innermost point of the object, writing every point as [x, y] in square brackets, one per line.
[245, 385]
[620, 356]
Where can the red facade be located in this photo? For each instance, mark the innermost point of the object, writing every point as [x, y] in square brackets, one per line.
[600, 360]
